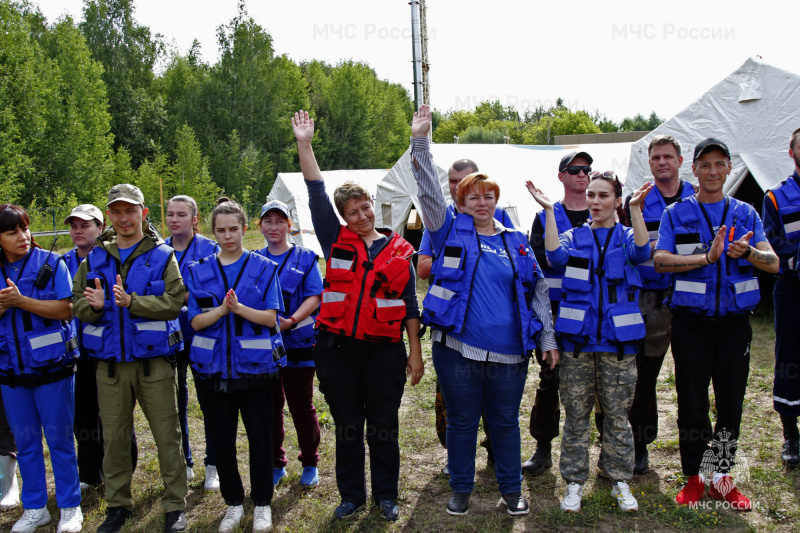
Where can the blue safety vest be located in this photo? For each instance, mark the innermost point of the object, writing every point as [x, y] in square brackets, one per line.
[199, 247]
[787, 198]
[234, 347]
[454, 267]
[553, 276]
[73, 262]
[654, 207]
[292, 272]
[32, 346]
[727, 286]
[118, 335]
[600, 298]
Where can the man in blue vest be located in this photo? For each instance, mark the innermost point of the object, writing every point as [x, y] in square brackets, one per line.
[711, 242]
[664, 155]
[128, 294]
[781, 214]
[571, 212]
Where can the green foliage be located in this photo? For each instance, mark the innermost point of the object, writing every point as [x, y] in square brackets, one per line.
[481, 135]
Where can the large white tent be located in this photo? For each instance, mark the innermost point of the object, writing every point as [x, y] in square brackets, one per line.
[290, 188]
[753, 111]
[510, 165]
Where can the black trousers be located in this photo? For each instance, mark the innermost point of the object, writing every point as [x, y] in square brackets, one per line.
[363, 384]
[643, 414]
[709, 351]
[7, 444]
[786, 384]
[222, 414]
[546, 410]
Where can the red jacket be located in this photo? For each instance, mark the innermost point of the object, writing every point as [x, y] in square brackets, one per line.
[362, 298]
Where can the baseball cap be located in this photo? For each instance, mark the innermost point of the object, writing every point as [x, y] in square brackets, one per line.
[710, 144]
[567, 159]
[125, 192]
[86, 212]
[275, 205]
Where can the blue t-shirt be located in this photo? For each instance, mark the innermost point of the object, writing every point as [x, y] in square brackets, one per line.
[124, 253]
[62, 281]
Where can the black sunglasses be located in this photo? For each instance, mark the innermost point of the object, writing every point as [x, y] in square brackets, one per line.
[574, 171]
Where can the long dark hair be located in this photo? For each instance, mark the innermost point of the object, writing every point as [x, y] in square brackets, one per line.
[12, 217]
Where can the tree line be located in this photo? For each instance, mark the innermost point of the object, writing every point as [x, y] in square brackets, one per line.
[103, 101]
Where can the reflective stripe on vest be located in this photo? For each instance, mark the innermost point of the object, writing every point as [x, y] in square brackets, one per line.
[332, 297]
[256, 344]
[695, 287]
[46, 340]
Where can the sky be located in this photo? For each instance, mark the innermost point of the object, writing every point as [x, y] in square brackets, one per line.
[619, 58]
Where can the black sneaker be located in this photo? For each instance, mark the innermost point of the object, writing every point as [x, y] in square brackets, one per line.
[790, 454]
[346, 510]
[516, 504]
[175, 521]
[641, 460]
[115, 519]
[458, 504]
[539, 461]
[390, 510]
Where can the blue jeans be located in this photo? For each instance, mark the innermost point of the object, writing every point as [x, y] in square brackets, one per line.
[470, 387]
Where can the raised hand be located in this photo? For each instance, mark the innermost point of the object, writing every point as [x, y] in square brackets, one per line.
[638, 197]
[421, 123]
[540, 197]
[303, 126]
[737, 248]
[122, 298]
[715, 250]
[95, 296]
[232, 301]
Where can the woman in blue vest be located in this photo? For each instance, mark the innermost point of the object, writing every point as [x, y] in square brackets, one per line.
[234, 300]
[489, 309]
[301, 285]
[38, 347]
[189, 246]
[599, 327]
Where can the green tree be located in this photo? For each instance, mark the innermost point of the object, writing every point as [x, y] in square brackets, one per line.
[190, 169]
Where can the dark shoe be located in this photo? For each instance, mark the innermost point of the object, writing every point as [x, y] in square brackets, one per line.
[175, 521]
[346, 510]
[458, 504]
[115, 519]
[539, 462]
[641, 461]
[790, 454]
[390, 510]
[516, 504]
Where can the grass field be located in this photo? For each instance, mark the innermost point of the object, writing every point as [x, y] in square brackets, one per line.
[424, 491]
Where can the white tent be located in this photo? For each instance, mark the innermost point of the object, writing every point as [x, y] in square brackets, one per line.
[290, 188]
[508, 164]
[753, 111]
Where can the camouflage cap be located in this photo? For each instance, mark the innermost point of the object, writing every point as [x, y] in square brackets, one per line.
[86, 212]
[125, 192]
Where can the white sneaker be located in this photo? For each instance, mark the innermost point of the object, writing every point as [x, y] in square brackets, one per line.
[189, 474]
[572, 500]
[212, 479]
[71, 520]
[233, 516]
[9, 489]
[622, 492]
[31, 519]
[262, 519]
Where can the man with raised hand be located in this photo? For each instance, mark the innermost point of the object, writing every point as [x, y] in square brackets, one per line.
[711, 242]
[571, 212]
[128, 293]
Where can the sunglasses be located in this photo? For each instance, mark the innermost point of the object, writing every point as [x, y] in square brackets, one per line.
[608, 174]
[574, 171]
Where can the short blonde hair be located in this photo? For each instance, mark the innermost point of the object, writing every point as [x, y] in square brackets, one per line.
[349, 190]
[476, 182]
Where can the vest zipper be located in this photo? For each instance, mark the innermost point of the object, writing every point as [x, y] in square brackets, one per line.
[364, 281]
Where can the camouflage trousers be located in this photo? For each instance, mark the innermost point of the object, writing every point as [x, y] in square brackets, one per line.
[612, 382]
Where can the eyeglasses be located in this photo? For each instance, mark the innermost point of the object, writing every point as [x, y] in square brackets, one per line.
[608, 174]
[574, 171]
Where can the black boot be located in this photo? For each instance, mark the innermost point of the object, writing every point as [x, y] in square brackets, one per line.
[641, 461]
[790, 454]
[539, 461]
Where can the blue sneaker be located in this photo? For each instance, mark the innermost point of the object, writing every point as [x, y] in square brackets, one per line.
[310, 477]
[277, 475]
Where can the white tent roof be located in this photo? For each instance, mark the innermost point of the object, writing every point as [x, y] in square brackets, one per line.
[753, 111]
[290, 188]
[508, 164]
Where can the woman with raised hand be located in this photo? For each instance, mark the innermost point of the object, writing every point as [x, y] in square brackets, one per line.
[38, 346]
[234, 300]
[599, 326]
[301, 285]
[489, 310]
[190, 246]
[369, 299]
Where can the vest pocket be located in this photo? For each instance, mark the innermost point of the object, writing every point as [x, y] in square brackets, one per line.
[745, 294]
[155, 288]
[290, 279]
[5, 356]
[253, 355]
[573, 318]
[333, 307]
[438, 299]
[690, 292]
[578, 274]
[341, 265]
[95, 337]
[46, 347]
[202, 354]
[452, 265]
[150, 338]
[628, 323]
[389, 315]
